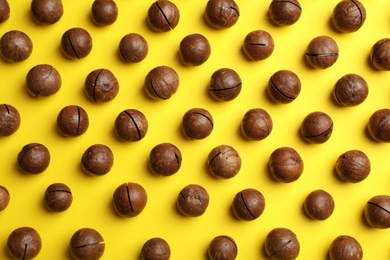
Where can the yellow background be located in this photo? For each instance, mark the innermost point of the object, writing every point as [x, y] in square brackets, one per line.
[189, 237]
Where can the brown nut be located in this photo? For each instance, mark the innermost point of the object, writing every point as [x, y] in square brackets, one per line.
[129, 199]
[317, 127]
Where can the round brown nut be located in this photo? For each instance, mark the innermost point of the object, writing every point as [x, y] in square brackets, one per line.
[4, 11]
[131, 125]
[380, 54]
[197, 123]
[24, 243]
[9, 120]
[350, 90]
[97, 160]
[282, 244]
[72, 121]
[285, 165]
[133, 47]
[248, 204]
[4, 197]
[345, 248]
[225, 84]
[101, 85]
[222, 14]
[58, 197]
[322, 52]
[161, 82]
[379, 125]
[348, 16]
[47, 11]
[377, 211]
[193, 200]
[319, 205]
[15, 46]
[284, 86]
[194, 49]
[87, 243]
[104, 12]
[284, 12]
[222, 248]
[43, 80]
[258, 45]
[224, 162]
[155, 249]
[317, 127]
[76, 43]
[165, 159]
[34, 158]
[129, 199]
[353, 166]
[163, 16]
[256, 124]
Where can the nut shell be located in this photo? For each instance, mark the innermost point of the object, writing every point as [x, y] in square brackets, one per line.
[377, 212]
[224, 162]
[345, 248]
[317, 127]
[248, 204]
[97, 160]
[353, 166]
[193, 200]
[222, 14]
[9, 120]
[322, 52]
[34, 158]
[379, 125]
[282, 244]
[24, 243]
[87, 244]
[129, 199]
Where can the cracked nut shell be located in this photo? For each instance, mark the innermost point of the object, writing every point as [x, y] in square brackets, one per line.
[87, 243]
[131, 125]
[4, 197]
[197, 123]
[317, 127]
[97, 160]
[161, 82]
[380, 54]
[256, 124]
[9, 120]
[163, 16]
[379, 125]
[165, 159]
[222, 248]
[34, 158]
[76, 43]
[58, 197]
[348, 16]
[258, 45]
[43, 80]
[222, 14]
[225, 84]
[72, 121]
[101, 85]
[284, 86]
[322, 52]
[224, 162]
[129, 199]
[377, 212]
[193, 200]
[284, 12]
[282, 244]
[285, 164]
[248, 204]
[24, 243]
[353, 166]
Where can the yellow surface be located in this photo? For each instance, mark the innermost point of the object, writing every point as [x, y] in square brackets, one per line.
[189, 237]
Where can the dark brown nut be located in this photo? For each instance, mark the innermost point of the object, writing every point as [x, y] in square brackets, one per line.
[24, 243]
[34, 158]
[379, 125]
[58, 197]
[377, 211]
[284, 86]
[155, 249]
[322, 52]
[4, 11]
[43, 80]
[76, 43]
[222, 248]
[161, 82]
[4, 197]
[380, 54]
[248, 204]
[9, 120]
[86, 243]
[197, 123]
[101, 85]
[350, 90]
[345, 248]
[97, 160]
[163, 16]
[193, 200]
[129, 199]
[348, 16]
[284, 12]
[317, 127]
[282, 244]
[256, 124]
[258, 45]
[165, 159]
[104, 12]
[222, 14]
[131, 125]
[194, 49]
[353, 166]
[15, 46]
[319, 205]
[225, 84]
[47, 11]
[72, 121]
[133, 47]
[285, 165]
[224, 162]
